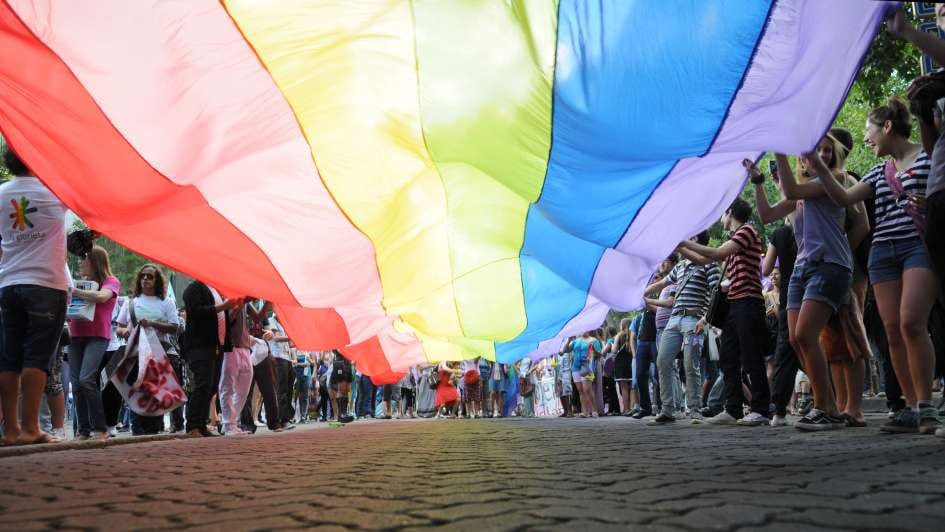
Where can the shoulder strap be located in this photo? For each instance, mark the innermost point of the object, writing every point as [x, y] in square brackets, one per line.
[892, 179]
[131, 312]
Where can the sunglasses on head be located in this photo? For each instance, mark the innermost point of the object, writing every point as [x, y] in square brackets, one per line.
[148, 276]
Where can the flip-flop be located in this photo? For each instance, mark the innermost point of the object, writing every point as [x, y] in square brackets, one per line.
[44, 437]
[851, 421]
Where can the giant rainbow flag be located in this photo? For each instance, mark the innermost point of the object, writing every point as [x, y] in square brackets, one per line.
[418, 180]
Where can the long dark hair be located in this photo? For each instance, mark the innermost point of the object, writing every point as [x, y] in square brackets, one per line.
[160, 283]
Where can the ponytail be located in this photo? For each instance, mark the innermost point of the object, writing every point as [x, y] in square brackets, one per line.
[896, 112]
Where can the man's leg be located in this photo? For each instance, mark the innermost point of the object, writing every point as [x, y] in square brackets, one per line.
[752, 331]
[665, 358]
[198, 404]
[46, 309]
[731, 367]
[644, 358]
[9, 402]
[265, 378]
[785, 369]
[692, 366]
[228, 380]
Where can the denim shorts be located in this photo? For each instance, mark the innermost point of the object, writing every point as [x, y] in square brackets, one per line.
[32, 325]
[825, 282]
[889, 258]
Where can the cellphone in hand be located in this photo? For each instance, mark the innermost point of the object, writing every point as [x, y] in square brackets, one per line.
[773, 167]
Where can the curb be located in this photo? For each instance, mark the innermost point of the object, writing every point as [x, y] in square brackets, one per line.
[72, 445]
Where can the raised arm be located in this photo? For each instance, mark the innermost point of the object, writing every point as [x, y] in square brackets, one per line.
[840, 195]
[726, 250]
[930, 44]
[693, 257]
[860, 225]
[656, 286]
[766, 212]
[792, 189]
[771, 257]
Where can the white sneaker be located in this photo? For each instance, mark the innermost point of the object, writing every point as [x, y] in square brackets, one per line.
[778, 421]
[112, 432]
[58, 433]
[753, 419]
[723, 418]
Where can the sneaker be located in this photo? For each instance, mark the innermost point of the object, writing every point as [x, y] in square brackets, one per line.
[696, 415]
[892, 414]
[778, 421]
[346, 419]
[929, 422]
[905, 422]
[661, 419]
[753, 419]
[58, 433]
[708, 411]
[722, 418]
[641, 414]
[99, 436]
[112, 432]
[818, 420]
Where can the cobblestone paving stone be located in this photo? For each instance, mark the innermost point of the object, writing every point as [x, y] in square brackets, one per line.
[513, 474]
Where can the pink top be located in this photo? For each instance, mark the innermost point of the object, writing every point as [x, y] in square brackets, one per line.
[101, 326]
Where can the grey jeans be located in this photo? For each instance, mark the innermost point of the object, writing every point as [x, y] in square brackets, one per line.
[677, 335]
[85, 360]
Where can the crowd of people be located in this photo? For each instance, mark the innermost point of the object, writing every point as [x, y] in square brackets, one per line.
[843, 299]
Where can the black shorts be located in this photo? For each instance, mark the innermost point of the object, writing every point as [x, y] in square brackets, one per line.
[32, 325]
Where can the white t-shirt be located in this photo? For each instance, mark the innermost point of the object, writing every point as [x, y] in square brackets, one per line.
[151, 308]
[279, 349]
[34, 235]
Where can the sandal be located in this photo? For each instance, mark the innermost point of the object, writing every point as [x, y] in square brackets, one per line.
[43, 437]
[851, 421]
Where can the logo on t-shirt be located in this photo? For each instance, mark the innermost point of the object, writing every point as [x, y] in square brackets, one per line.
[20, 211]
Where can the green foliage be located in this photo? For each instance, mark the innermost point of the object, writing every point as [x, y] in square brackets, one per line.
[889, 67]
[125, 263]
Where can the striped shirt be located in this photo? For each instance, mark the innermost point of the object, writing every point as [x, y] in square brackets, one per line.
[743, 268]
[694, 285]
[892, 222]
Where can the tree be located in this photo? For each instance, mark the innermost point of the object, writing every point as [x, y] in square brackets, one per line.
[125, 263]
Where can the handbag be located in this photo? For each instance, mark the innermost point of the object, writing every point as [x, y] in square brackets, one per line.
[895, 186]
[434, 379]
[718, 307]
[143, 373]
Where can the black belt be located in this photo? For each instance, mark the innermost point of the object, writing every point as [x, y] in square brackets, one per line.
[687, 312]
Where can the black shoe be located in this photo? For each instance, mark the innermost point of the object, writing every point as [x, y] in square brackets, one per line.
[206, 433]
[662, 419]
[288, 426]
[640, 414]
[632, 412]
[346, 419]
[251, 430]
[817, 420]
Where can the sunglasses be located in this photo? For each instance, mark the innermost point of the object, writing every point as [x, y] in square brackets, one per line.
[148, 276]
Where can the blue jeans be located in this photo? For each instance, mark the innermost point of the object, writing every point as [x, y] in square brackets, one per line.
[85, 359]
[678, 334]
[32, 324]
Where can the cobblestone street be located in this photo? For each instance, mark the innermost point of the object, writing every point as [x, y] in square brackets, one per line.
[609, 473]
